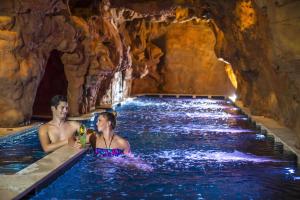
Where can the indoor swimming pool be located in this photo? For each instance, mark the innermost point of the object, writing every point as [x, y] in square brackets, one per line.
[184, 148]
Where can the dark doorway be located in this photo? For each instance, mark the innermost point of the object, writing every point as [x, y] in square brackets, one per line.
[54, 82]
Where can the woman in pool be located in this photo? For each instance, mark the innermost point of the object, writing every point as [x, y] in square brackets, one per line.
[106, 143]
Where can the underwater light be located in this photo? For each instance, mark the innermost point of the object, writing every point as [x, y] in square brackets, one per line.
[292, 171]
[92, 118]
[129, 99]
[233, 97]
[260, 136]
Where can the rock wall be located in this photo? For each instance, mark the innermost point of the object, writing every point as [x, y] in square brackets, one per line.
[259, 38]
[90, 49]
[29, 31]
[189, 65]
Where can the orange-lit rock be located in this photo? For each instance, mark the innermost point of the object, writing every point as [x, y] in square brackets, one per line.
[231, 75]
[245, 14]
[26, 42]
[141, 40]
[190, 65]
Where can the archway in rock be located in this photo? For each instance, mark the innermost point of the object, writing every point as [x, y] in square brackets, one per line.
[54, 82]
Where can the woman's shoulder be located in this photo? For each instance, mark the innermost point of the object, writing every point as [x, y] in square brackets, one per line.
[121, 140]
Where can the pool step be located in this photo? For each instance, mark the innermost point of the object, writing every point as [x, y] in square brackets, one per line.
[272, 128]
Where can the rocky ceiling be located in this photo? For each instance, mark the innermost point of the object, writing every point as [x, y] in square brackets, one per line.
[96, 39]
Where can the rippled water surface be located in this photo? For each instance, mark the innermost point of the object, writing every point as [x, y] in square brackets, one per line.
[184, 149]
[19, 151]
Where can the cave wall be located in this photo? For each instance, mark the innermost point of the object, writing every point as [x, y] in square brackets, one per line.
[259, 38]
[29, 31]
[284, 23]
[91, 52]
[189, 65]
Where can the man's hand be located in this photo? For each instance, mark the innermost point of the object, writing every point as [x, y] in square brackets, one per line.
[74, 142]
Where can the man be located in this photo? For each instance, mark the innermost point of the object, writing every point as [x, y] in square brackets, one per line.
[58, 132]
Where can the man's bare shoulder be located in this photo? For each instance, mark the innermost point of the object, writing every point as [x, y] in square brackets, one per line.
[74, 124]
[44, 127]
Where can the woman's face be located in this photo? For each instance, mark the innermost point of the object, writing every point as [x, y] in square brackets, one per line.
[102, 123]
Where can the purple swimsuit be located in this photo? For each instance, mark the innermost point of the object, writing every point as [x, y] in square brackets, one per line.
[100, 152]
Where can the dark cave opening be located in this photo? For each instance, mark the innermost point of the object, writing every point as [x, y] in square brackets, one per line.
[54, 82]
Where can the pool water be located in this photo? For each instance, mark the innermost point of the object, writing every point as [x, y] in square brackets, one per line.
[19, 151]
[184, 149]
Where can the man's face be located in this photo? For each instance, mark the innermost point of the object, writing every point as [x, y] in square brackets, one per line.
[61, 110]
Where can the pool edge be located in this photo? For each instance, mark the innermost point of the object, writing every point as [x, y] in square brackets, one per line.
[272, 127]
[31, 178]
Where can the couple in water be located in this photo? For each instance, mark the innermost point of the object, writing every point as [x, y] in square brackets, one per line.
[59, 132]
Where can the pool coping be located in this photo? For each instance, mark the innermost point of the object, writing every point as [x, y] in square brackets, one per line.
[14, 131]
[178, 95]
[36, 175]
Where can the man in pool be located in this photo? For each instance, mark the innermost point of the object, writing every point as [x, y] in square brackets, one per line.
[58, 132]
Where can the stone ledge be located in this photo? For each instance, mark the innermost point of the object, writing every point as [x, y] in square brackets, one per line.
[280, 133]
[35, 175]
[178, 95]
[4, 132]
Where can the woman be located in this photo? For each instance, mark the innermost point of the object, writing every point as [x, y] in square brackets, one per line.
[107, 143]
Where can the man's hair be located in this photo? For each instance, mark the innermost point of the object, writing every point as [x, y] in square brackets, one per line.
[109, 117]
[56, 99]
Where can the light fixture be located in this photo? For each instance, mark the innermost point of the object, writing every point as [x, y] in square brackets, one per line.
[232, 97]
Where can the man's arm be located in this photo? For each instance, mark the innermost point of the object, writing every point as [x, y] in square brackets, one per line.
[73, 141]
[75, 126]
[46, 143]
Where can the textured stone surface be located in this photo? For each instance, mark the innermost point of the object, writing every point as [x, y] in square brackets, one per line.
[259, 38]
[189, 65]
[26, 39]
[260, 45]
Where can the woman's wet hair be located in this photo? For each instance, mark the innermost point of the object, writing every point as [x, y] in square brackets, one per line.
[56, 99]
[109, 117]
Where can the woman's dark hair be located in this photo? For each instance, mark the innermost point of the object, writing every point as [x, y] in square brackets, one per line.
[56, 99]
[109, 117]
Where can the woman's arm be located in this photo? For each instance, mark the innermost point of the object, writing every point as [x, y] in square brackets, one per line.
[124, 144]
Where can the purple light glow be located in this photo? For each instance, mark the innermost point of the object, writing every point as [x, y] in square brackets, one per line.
[220, 115]
[187, 156]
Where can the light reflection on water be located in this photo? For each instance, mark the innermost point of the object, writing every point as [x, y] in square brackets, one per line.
[179, 154]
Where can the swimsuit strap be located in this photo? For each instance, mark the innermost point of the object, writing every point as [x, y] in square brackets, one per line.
[110, 141]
